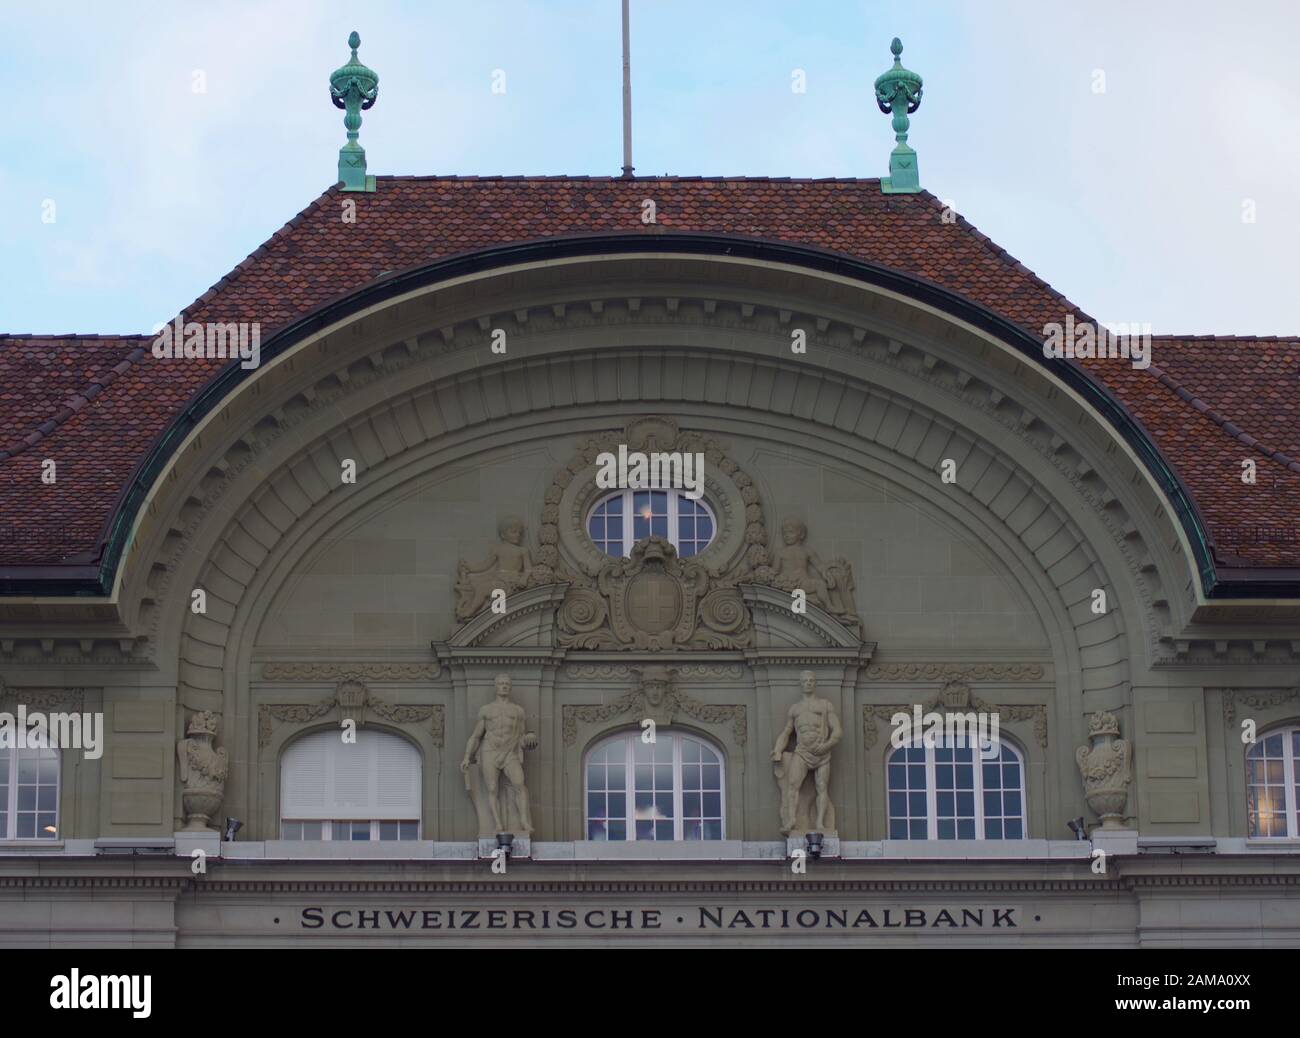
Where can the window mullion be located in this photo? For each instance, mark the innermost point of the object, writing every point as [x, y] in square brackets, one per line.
[1288, 779]
[977, 787]
[628, 522]
[931, 796]
[629, 783]
[677, 789]
[11, 797]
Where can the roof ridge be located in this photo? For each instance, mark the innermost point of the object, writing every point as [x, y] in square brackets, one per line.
[63, 336]
[229, 279]
[1230, 428]
[73, 404]
[998, 252]
[587, 178]
[78, 400]
[1289, 339]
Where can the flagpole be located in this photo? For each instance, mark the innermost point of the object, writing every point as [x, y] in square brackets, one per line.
[627, 94]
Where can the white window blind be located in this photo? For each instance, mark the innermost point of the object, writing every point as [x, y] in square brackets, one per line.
[376, 777]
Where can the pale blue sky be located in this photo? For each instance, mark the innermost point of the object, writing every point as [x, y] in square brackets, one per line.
[1129, 201]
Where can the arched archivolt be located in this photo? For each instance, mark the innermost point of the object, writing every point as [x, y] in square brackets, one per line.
[885, 386]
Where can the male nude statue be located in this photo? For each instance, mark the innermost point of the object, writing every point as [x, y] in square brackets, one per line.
[500, 738]
[816, 728]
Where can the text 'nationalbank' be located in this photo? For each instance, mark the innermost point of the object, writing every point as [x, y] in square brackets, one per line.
[696, 917]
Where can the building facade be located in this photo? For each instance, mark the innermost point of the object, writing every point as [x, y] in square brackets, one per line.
[643, 542]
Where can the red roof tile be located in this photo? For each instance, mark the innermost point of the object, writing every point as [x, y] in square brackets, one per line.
[95, 404]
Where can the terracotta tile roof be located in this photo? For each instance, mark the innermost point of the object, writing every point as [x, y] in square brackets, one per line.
[95, 404]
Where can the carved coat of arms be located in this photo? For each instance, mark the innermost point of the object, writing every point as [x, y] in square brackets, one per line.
[653, 600]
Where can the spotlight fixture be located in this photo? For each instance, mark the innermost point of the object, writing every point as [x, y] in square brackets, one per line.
[233, 825]
[814, 841]
[506, 841]
[1077, 827]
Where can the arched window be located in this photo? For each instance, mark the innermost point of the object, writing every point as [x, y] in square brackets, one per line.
[670, 789]
[955, 793]
[363, 790]
[618, 521]
[1273, 784]
[29, 793]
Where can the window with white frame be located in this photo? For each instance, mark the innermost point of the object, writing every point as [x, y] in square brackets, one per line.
[356, 791]
[1273, 784]
[619, 520]
[670, 789]
[952, 792]
[29, 793]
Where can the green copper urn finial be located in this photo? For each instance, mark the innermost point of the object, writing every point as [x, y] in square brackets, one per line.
[354, 88]
[898, 91]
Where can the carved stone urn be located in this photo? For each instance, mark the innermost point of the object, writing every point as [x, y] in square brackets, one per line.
[1106, 767]
[202, 770]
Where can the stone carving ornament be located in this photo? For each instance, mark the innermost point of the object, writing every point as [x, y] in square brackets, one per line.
[652, 599]
[795, 566]
[816, 729]
[955, 695]
[509, 567]
[202, 770]
[657, 697]
[1106, 767]
[352, 699]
